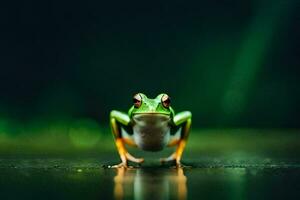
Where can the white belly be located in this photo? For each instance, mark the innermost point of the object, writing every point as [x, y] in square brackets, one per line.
[151, 132]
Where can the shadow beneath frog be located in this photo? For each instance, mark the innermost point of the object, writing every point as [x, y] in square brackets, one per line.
[150, 183]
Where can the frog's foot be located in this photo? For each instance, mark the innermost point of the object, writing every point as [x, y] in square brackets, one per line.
[121, 165]
[124, 164]
[171, 158]
[134, 159]
[175, 159]
[179, 165]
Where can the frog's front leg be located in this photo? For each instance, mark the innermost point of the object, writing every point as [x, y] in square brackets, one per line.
[181, 120]
[118, 119]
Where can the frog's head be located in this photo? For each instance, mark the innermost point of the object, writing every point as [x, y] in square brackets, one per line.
[144, 105]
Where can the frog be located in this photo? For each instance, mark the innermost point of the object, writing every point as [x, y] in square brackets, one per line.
[150, 124]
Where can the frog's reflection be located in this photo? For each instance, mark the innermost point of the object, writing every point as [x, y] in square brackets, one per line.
[149, 183]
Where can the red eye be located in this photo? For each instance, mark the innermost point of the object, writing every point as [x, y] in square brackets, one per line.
[166, 101]
[137, 100]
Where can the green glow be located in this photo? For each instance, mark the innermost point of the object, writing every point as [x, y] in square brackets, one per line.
[85, 133]
[251, 55]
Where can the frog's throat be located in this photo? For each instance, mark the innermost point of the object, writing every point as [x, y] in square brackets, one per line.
[151, 131]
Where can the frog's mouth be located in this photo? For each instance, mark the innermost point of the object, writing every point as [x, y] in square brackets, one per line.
[150, 118]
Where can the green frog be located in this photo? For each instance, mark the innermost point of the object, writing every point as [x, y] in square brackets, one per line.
[150, 125]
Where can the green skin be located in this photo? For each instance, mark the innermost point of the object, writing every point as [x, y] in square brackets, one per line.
[150, 127]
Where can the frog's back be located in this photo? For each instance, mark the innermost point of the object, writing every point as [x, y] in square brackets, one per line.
[151, 132]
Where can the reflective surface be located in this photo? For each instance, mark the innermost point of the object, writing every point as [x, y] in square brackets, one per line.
[150, 184]
[84, 178]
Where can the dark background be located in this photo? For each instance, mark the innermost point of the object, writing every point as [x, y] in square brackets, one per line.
[232, 63]
[64, 65]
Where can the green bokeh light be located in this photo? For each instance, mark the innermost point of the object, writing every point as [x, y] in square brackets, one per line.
[270, 18]
[85, 133]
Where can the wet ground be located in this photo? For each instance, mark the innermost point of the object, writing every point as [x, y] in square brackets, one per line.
[234, 164]
[207, 178]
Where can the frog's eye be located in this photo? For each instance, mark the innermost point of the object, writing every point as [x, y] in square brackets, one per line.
[166, 101]
[137, 100]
